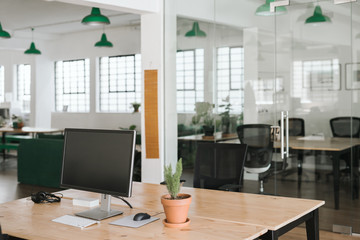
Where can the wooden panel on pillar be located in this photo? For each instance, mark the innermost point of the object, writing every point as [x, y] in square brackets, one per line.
[151, 113]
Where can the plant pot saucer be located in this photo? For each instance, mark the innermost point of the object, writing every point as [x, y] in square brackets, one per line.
[177, 225]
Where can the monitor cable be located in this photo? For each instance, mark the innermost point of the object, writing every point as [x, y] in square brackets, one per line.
[121, 198]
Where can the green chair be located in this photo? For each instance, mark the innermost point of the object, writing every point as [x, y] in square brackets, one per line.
[40, 161]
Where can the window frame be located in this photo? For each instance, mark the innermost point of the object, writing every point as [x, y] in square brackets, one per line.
[136, 86]
[86, 86]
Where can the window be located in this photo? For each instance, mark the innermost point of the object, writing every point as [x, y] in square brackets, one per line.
[230, 78]
[189, 79]
[120, 83]
[2, 80]
[23, 75]
[72, 85]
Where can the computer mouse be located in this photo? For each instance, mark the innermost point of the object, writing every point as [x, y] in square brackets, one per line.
[141, 216]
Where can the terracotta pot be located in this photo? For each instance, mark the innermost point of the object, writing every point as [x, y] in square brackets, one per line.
[176, 210]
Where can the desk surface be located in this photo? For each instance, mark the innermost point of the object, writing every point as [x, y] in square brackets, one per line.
[22, 218]
[218, 136]
[270, 212]
[326, 144]
[30, 130]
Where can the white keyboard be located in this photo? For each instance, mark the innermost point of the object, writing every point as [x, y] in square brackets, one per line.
[75, 221]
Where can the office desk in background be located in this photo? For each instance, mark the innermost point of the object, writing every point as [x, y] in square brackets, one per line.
[213, 214]
[28, 130]
[218, 136]
[332, 146]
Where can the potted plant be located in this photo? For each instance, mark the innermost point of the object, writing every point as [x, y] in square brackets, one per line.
[225, 118]
[208, 125]
[205, 117]
[18, 122]
[136, 106]
[176, 205]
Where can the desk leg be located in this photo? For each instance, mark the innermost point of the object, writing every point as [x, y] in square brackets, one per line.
[355, 172]
[3, 140]
[312, 226]
[270, 235]
[336, 170]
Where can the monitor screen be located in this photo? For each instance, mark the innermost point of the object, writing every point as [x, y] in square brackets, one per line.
[99, 160]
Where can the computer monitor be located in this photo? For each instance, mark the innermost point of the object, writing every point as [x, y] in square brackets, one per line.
[99, 161]
[5, 113]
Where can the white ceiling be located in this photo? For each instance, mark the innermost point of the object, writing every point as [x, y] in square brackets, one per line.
[51, 18]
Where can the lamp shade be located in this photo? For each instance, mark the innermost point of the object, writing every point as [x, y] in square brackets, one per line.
[32, 49]
[317, 17]
[195, 31]
[103, 42]
[3, 34]
[264, 10]
[95, 18]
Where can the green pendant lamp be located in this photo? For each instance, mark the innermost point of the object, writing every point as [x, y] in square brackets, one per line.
[103, 42]
[264, 10]
[95, 18]
[32, 49]
[195, 31]
[317, 17]
[3, 34]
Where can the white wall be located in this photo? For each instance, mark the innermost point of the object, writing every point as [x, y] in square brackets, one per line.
[96, 120]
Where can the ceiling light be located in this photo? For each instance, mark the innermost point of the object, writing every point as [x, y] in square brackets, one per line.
[3, 34]
[195, 31]
[103, 42]
[32, 49]
[264, 10]
[317, 17]
[95, 18]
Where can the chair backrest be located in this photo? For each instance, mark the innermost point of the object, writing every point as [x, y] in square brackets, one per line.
[296, 127]
[345, 127]
[218, 164]
[260, 145]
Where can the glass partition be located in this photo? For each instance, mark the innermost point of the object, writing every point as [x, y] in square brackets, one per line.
[237, 63]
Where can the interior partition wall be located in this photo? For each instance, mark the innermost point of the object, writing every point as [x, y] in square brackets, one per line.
[239, 63]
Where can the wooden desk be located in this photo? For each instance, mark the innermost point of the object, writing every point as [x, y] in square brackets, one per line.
[33, 130]
[22, 218]
[30, 130]
[277, 214]
[200, 137]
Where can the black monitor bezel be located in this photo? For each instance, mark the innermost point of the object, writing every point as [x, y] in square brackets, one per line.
[125, 194]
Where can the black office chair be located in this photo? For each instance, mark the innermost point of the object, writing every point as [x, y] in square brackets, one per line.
[219, 166]
[345, 127]
[260, 151]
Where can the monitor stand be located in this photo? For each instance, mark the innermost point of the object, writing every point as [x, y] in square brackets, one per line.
[101, 212]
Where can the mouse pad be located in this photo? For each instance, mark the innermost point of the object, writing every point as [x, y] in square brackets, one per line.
[129, 222]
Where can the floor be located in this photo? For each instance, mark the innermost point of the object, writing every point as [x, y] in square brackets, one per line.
[10, 190]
